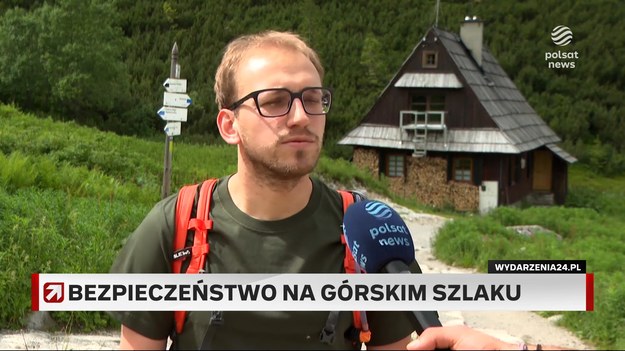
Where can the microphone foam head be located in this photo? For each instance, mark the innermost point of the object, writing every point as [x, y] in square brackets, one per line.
[376, 235]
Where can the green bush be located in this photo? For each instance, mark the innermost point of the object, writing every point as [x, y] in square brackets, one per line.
[49, 231]
[585, 234]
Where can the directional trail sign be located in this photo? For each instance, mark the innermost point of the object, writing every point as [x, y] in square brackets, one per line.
[172, 128]
[173, 85]
[173, 113]
[176, 100]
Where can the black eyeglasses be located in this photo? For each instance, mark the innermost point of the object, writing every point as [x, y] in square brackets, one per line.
[276, 102]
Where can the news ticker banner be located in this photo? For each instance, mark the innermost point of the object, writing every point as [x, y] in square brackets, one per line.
[312, 292]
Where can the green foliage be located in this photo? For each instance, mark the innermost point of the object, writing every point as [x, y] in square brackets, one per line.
[50, 231]
[65, 59]
[588, 189]
[66, 156]
[72, 58]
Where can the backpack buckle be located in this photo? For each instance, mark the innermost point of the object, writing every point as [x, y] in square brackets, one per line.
[365, 336]
[217, 318]
[326, 336]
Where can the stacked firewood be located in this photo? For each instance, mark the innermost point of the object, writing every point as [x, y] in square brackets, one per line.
[425, 180]
[366, 159]
[464, 197]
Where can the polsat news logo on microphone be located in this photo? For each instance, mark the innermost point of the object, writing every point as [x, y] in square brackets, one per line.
[382, 212]
[376, 235]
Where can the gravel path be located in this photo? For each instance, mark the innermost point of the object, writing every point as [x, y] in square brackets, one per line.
[516, 326]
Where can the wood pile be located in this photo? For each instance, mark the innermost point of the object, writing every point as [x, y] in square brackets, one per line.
[463, 196]
[397, 185]
[425, 180]
[367, 159]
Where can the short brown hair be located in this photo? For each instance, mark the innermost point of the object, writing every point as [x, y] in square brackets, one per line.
[225, 86]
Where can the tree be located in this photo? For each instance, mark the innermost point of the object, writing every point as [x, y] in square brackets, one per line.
[82, 56]
[21, 69]
[65, 59]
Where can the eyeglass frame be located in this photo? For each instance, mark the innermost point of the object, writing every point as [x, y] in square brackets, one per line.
[293, 95]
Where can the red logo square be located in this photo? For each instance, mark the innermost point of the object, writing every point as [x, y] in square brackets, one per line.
[53, 292]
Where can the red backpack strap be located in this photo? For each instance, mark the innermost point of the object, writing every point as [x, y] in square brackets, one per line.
[184, 207]
[349, 264]
[201, 224]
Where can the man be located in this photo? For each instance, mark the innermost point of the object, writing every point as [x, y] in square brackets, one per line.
[270, 216]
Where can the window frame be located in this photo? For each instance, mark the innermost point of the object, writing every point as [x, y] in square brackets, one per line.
[427, 104]
[455, 168]
[427, 54]
[395, 156]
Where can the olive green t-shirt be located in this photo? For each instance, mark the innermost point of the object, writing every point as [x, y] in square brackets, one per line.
[307, 242]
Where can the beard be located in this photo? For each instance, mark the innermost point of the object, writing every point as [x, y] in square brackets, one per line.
[277, 164]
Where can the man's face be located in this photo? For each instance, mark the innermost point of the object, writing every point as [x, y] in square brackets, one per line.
[285, 147]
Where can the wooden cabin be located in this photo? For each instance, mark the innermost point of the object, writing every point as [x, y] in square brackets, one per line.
[452, 129]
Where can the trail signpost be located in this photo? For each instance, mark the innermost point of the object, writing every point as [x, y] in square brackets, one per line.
[174, 111]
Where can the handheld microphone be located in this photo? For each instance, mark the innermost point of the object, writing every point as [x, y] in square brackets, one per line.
[380, 241]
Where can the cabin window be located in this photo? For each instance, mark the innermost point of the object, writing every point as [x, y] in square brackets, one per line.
[430, 59]
[427, 103]
[463, 169]
[431, 104]
[437, 103]
[418, 103]
[395, 165]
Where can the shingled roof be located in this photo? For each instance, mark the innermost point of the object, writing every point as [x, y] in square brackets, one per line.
[520, 128]
[497, 93]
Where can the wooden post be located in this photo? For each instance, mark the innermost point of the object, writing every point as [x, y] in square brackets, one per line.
[174, 72]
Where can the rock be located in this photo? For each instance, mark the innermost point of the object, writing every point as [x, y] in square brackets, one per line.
[531, 230]
[41, 320]
[555, 318]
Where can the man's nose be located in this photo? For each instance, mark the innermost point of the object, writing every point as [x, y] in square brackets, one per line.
[297, 115]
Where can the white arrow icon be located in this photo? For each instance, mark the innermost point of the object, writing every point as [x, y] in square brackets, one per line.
[55, 292]
[173, 113]
[173, 85]
[176, 100]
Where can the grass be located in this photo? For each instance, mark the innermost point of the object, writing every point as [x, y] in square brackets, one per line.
[582, 176]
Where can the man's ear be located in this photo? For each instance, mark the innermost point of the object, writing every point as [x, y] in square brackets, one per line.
[227, 124]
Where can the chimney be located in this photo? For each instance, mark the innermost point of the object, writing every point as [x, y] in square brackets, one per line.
[472, 34]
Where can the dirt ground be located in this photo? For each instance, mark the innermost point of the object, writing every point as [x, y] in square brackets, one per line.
[516, 326]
